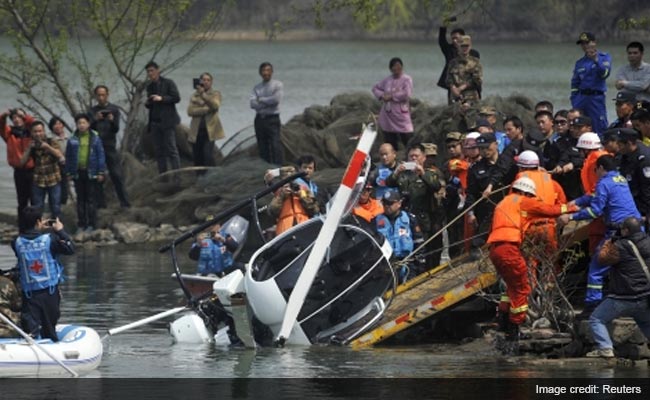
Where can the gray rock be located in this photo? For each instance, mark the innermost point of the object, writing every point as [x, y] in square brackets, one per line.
[131, 232]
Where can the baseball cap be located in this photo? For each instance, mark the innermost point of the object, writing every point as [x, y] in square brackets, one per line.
[625, 97]
[485, 139]
[430, 149]
[580, 121]
[453, 136]
[465, 40]
[534, 138]
[391, 196]
[628, 134]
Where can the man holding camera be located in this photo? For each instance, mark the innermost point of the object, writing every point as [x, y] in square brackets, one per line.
[293, 203]
[162, 96]
[206, 126]
[37, 250]
[47, 158]
[106, 122]
[18, 139]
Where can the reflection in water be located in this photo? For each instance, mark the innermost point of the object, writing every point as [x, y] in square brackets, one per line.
[109, 287]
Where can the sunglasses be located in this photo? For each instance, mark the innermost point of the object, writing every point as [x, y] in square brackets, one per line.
[560, 122]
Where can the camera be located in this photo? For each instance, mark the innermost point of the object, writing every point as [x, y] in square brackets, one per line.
[105, 113]
[196, 82]
[50, 222]
[294, 187]
[37, 144]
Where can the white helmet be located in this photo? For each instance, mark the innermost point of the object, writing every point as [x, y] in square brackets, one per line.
[528, 159]
[525, 185]
[472, 135]
[589, 141]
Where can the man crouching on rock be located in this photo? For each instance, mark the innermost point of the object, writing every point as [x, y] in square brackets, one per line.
[37, 249]
[629, 285]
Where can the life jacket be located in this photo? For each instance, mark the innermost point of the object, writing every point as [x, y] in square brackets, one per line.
[210, 257]
[292, 213]
[369, 210]
[588, 174]
[398, 234]
[544, 187]
[507, 220]
[39, 269]
[459, 167]
[383, 172]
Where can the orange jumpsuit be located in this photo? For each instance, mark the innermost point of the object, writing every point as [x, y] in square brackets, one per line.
[589, 178]
[511, 219]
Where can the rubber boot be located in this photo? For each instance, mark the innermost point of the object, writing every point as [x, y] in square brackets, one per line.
[511, 345]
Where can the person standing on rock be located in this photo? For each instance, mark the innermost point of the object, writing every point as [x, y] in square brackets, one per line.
[629, 285]
[265, 100]
[86, 165]
[58, 134]
[206, 126]
[162, 96]
[450, 51]
[106, 122]
[18, 139]
[394, 92]
[465, 75]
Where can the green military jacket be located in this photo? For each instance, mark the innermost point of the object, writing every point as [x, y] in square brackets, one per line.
[10, 304]
[419, 191]
[466, 70]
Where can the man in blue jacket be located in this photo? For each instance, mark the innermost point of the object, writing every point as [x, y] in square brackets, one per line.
[40, 271]
[614, 202]
[588, 84]
[86, 165]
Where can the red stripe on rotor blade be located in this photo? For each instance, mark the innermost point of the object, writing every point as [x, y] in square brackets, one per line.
[354, 168]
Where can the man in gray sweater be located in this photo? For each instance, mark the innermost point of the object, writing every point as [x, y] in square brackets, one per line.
[265, 100]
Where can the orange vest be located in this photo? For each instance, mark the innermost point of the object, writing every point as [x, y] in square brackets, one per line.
[369, 210]
[513, 215]
[459, 167]
[547, 189]
[588, 174]
[292, 213]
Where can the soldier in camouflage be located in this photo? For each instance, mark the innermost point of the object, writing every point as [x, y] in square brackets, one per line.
[465, 76]
[10, 304]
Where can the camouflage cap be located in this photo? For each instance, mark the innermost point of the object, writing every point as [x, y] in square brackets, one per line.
[586, 37]
[465, 40]
[430, 149]
[488, 110]
[453, 137]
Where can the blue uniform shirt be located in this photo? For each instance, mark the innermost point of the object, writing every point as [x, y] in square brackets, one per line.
[590, 75]
[612, 199]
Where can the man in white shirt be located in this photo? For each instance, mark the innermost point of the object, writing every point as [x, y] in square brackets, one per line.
[635, 77]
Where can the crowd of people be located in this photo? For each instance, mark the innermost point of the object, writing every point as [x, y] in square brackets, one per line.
[495, 186]
[501, 187]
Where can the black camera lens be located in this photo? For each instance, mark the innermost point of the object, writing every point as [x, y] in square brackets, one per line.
[294, 186]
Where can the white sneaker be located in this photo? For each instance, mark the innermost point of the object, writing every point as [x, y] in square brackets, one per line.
[601, 353]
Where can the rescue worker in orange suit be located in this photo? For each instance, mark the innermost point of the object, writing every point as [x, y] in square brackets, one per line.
[292, 204]
[367, 207]
[456, 177]
[542, 231]
[511, 219]
[591, 148]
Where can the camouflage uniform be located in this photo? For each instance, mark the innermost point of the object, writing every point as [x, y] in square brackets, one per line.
[466, 70]
[10, 304]
[419, 193]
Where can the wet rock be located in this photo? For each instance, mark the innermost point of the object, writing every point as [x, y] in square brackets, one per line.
[622, 330]
[131, 232]
[542, 323]
[542, 334]
[632, 351]
[101, 235]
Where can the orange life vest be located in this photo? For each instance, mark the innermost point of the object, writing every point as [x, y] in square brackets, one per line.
[369, 210]
[292, 213]
[588, 174]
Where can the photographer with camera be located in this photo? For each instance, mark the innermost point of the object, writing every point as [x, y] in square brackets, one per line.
[105, 120]
[18, 139]
[206, 126]
[48, 159]
[214, 252]
[293, 203]
[37, 250]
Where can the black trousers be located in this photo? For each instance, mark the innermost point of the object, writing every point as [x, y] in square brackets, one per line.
[87, 190]
[267, 132]
[395, 137]
[40, 313]
[164, 146]
[23, 179]
[114, 166]
[203, 149]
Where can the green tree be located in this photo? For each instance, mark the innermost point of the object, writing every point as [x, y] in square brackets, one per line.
[53, 73]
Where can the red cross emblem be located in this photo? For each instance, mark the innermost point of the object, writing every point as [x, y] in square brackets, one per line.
[37, 267]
